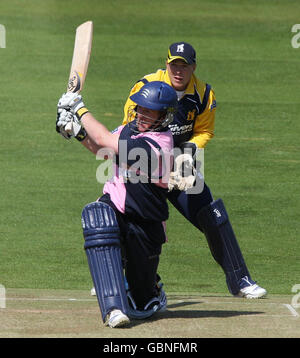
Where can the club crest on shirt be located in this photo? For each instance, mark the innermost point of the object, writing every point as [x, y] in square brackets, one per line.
[191, 115]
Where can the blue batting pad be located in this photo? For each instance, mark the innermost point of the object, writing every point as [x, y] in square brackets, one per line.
[223, 244]
[102, 246]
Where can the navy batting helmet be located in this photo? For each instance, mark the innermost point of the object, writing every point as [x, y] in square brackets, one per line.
[157, 96]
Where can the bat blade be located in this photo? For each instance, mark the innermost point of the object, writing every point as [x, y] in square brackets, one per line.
[80, 60]
[81, 56]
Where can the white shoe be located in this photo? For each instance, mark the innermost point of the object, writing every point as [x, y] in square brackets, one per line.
[116, 318]
[93, 292]
[252, 290]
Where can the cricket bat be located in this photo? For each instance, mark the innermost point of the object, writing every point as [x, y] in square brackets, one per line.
[80, 60]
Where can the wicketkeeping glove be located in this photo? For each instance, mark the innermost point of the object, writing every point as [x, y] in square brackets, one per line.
[184, 175]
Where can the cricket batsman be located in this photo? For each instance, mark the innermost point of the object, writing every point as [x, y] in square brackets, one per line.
[124, 228]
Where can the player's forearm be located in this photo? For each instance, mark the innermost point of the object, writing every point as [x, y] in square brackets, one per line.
[89, 144]
[98, 134]
[201, 139]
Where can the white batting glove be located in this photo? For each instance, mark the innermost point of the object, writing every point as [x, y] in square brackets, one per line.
[63, 118]
[72, 102]
[184, 175]
[67, 119]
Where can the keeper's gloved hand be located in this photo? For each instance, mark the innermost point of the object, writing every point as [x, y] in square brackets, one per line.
[184, 175]
[72, 102]
[69, 126]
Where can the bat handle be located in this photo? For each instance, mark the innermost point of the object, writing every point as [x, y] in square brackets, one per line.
[69, 127]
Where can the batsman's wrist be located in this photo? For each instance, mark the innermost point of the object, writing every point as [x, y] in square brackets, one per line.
[81, 135]
[80, 112]
[189, 147]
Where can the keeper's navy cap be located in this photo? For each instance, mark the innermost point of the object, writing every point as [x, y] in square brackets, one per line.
[182, 51]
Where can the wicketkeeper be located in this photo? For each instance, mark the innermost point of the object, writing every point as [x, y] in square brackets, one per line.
[192, 128]
[125, 228]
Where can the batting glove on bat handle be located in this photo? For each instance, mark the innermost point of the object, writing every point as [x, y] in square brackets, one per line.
[69, 126]
[61, 121]
[72, 102]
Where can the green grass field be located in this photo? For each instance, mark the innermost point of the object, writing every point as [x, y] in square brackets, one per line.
[244, 51]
